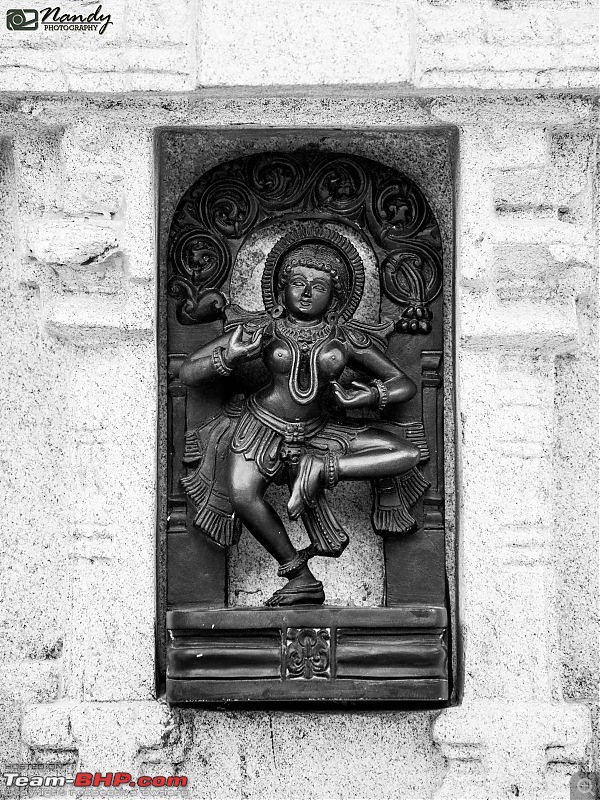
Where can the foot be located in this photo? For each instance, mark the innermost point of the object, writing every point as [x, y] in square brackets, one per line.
[307, 484]
[298, 591]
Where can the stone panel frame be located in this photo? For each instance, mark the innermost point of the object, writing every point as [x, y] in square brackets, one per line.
[427, 155]
[513, 728]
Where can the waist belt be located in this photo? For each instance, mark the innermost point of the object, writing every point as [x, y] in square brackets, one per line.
[292, 432]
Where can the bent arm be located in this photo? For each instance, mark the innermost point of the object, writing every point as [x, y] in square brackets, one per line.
[199, 367]
[371, 360]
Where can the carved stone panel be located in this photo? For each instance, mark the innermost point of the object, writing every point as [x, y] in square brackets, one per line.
[304, 314]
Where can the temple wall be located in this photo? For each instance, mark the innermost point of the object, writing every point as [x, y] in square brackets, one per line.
[79, 115]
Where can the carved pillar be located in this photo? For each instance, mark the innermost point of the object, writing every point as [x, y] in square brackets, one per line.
[512, 735]
[95, 267]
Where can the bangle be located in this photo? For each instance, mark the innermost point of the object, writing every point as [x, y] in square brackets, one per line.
[219, 363]
[383, 393]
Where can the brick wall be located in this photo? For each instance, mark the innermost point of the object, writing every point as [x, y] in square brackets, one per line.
[181, 45]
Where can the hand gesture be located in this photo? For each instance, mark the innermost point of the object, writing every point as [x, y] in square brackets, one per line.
[359, 397]
[242, 346]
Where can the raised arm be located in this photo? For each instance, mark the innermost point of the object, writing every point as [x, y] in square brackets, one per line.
[217, 358]
[390, 384]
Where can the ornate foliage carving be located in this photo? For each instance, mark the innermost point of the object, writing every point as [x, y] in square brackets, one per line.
[308, 653]
[229, 201]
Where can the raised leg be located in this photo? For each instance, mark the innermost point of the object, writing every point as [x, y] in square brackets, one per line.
[374, 453]
[377, 453]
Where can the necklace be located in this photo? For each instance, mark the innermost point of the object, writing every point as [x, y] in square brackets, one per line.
[304, 336]
[305, 345]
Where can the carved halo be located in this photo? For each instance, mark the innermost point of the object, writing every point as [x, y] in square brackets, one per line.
[312, 233]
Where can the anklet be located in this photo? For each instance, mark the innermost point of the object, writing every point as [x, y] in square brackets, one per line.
[332, 469]
[295, 565]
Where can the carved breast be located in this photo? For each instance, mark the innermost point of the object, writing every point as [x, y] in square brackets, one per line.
[331, 360]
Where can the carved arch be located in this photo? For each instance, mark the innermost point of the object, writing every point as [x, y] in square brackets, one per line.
[216, 214]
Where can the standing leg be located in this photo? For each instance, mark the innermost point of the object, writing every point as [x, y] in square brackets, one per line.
[246, 491]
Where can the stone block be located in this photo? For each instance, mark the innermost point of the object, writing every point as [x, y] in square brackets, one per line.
[166, 59]
[32, 681]
[38, 174]
[161, 22]
[578, 25]
[68, 240]
[146, 46]
[515, 146]
[526, 111]
[521, 26]
[111, 733]
[307, 42]
[48, 726]
[103, 734]
[496, 749]
[456, 24]
[271, 754]
[523, 189]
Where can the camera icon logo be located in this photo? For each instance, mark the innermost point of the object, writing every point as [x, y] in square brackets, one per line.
[22, 19]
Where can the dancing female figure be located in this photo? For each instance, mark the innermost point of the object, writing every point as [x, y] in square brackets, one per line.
[284, 432]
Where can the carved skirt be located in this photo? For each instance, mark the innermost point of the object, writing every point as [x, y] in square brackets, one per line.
[275, 445]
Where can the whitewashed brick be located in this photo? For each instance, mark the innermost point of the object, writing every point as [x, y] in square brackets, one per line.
[67, 240]
[579, 26]
[521, 27]
[515, 146]
[464, 24]
[342, 41]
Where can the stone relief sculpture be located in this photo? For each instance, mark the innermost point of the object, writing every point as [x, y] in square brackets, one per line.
[287, 430]
[304, 351]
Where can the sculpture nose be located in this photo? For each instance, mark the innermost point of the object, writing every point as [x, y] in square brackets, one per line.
[307, 291]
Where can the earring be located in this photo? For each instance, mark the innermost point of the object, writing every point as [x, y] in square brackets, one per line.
[278, 311]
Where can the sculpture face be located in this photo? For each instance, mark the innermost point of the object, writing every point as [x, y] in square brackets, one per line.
[307, 293]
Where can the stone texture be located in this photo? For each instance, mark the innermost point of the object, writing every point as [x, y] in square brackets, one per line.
[274, 755]
[501, 750]
[128, 729]
[498, 45]
[575, 453]
[78, 432]
[147, 47]
[153, 45]
[71, 241]
[303, 42]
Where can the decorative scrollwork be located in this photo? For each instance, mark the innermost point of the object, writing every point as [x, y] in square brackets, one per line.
[340, 185]
[277, 180]
[308, 653]
[230, 208]
[201, 257]
[400, 210]
[232, 200]
[196, 305]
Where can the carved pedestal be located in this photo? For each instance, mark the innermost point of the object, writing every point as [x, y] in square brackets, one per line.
[326, 653]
